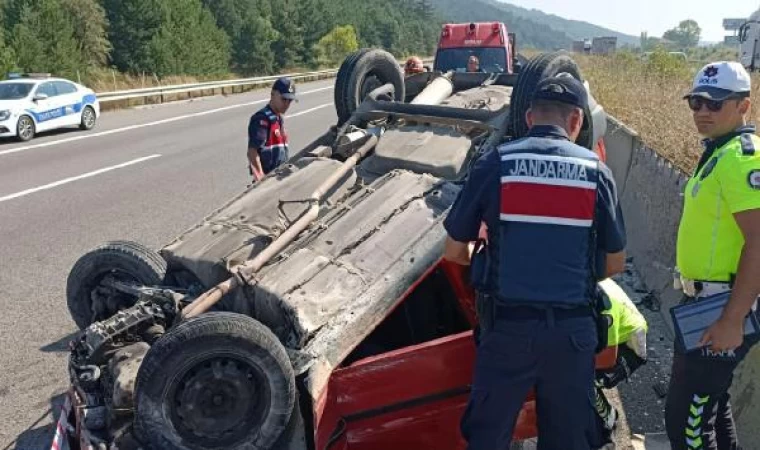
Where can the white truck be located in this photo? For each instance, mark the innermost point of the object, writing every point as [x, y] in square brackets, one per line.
[749, 41]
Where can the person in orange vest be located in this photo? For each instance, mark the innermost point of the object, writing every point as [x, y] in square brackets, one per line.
[267, 140]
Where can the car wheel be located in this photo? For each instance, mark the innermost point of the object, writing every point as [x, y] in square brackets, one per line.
[221, 380]
[90, 297]
[88, 118]
[361, 73]
[25, 128]
[544, 66]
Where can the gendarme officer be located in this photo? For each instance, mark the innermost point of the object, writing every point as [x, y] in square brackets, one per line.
[267, 140]
[718, 251]
[552, 215]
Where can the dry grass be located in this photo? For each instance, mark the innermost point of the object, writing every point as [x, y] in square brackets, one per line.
[647, 96]
[106, 80]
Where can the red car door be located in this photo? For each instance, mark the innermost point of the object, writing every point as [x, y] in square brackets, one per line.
[412, 397]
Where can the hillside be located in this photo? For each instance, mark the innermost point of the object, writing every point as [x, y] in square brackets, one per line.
[576, 29]
[84, 39]
[534, 28]
[529, 33]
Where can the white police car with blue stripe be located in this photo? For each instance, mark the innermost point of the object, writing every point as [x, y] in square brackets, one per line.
[32, 103]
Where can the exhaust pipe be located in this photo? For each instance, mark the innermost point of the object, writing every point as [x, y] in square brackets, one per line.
[247, 270]
[436, 92]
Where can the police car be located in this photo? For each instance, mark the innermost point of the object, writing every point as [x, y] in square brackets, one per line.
[31, 103]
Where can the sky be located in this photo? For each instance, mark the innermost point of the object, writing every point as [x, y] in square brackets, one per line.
[654, 16]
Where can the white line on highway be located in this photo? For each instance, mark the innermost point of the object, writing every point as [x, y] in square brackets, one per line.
[301, 113]
[76, 178]
[150, 124]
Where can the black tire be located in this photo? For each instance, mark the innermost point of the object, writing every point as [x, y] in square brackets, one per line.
[122, 260]
[88, 118]
[342, 79]
[222, 380]
[25, 128]
[362, 72]
[544, 66]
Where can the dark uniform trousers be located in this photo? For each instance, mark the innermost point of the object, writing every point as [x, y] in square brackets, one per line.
[520, 348]
[698, 409]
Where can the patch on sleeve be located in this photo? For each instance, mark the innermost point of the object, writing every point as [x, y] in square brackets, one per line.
[264, 123]
[754, 179]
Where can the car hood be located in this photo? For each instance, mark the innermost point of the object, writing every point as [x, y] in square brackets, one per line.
[12, 105]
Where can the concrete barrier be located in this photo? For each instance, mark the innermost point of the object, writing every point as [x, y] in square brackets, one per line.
[651, 194]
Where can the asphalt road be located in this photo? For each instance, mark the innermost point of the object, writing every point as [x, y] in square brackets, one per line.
[142, 174]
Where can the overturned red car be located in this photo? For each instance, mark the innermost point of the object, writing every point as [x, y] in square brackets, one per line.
[313, 310]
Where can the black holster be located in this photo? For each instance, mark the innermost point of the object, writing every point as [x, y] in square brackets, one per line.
[480, 266]
[601, 303]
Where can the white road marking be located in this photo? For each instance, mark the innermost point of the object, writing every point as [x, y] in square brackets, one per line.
[78, 177]
[301, 113]
[151, 124]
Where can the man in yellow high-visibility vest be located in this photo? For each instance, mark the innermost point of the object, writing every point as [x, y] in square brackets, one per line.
[628, 331]
[718, 251]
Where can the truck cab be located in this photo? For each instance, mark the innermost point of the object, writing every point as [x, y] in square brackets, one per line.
[490, 42]
[749, 41]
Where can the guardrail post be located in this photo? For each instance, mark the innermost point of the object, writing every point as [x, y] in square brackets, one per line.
[160, 92]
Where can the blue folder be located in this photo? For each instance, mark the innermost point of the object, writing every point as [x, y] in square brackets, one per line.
[692, 319]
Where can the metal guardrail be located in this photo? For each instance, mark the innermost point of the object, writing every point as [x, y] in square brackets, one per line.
[161, 91]
[191, 87]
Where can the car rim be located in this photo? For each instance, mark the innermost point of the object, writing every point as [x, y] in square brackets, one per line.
[25, 127]
[89, 118]
[219, 400]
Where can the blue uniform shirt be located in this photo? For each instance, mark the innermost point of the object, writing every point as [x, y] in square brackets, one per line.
[266, 133]
[539, 262]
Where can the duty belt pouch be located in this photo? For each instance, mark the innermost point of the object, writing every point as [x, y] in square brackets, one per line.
[603, 321]
[480, 266]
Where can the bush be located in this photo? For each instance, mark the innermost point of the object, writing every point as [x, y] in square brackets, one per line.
[336, 45]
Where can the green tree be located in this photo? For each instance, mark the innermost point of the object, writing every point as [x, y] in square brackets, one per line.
[315, 23]
[188, 41]
[90, 30]
[253, 48]
[133, 24]
[7, 56]
[288, 46]
[685, 35]
[335, 45]
[43, 39]
[250, 32]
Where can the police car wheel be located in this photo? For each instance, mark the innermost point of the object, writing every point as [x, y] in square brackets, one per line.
[88, 118]
[221, 380]
[25, 128]
[544, 66]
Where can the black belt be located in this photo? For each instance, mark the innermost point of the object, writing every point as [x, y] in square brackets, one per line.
[530, 312]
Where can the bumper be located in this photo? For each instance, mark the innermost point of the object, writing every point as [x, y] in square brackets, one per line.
[7, 129]
[61, 438]
[70, 433]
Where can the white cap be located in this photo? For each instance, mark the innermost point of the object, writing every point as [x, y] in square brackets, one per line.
[722, 79]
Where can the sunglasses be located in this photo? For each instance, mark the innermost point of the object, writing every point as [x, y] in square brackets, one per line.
[695, 103]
